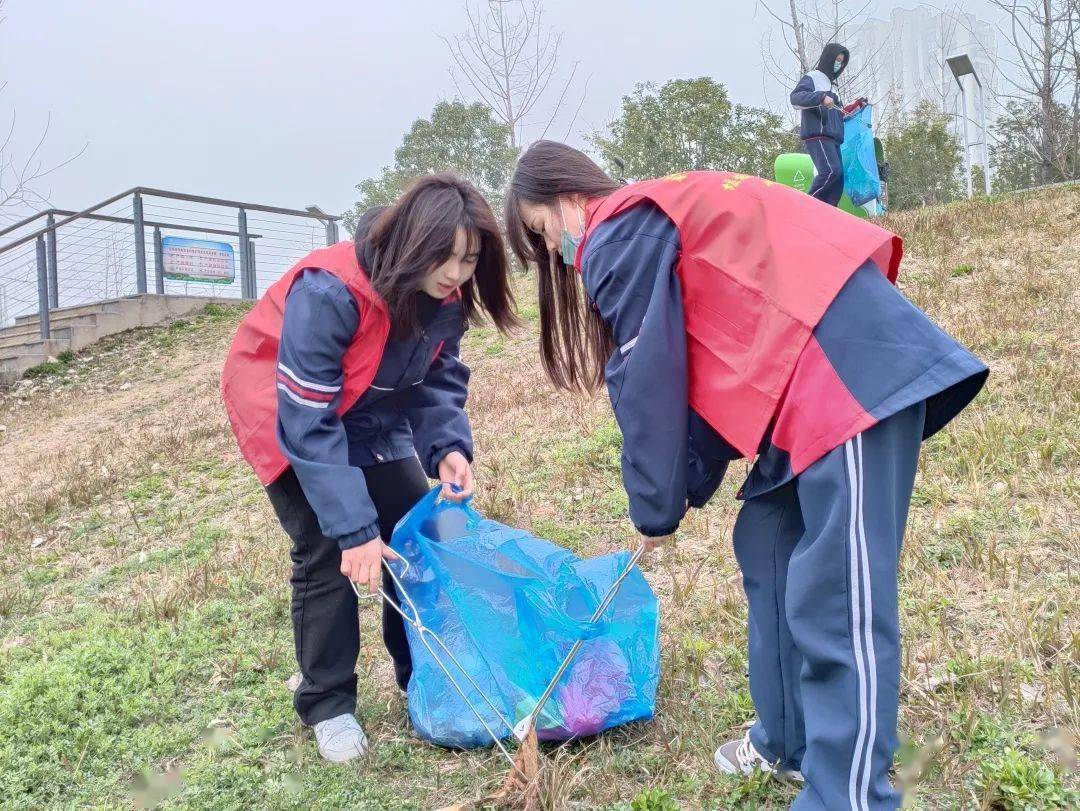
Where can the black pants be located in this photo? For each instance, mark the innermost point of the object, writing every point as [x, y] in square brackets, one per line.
[828, 185]
[325, 626]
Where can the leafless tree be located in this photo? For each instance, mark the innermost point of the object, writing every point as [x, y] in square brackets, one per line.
[1074, 104]
[1041, 69]
[510, 59]
[793, 29]
[21, 176]
[789, 60]
[803, 28]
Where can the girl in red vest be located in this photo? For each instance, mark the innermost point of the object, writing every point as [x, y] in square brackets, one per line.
[345, 390]
[733, 317]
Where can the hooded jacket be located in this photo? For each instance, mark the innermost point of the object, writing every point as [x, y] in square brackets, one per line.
[818, 121]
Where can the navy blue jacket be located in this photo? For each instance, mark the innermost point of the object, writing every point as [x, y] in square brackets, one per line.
[817, 121]
[670, 455]
[415, 404]
[886, 351]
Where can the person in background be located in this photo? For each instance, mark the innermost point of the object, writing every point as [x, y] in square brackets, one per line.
[735, 317]
[821, 125]
[346, 392]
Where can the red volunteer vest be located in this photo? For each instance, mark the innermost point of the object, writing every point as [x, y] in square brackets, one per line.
[249, 379]
[759, 265]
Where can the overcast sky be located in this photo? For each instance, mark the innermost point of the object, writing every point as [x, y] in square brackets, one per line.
[292, 103]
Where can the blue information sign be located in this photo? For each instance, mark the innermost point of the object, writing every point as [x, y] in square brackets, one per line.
[198, 260]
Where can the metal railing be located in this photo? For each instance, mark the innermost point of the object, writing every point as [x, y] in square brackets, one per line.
[59, 257]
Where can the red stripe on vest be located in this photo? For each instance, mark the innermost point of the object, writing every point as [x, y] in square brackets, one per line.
[759, 264]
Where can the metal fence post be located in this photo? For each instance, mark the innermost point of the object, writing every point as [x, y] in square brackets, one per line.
[251, 265]
[247, 289]
[43, 288]
[140, 244]
[331, 232]
[159, 263]
[54, 286]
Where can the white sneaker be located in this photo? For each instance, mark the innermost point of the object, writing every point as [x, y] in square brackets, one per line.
[341, 738]
[740, 757]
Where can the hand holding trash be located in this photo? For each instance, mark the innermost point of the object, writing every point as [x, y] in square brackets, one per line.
[855, 106]
[454, 469]
[363, 564]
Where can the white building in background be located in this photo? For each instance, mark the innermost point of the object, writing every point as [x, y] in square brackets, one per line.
[901, 62]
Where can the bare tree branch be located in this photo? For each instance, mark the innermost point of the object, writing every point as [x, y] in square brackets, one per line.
[577, 111]
[562, 97]
[1041, 34]
[805, 27]
[20, 177]
[509, 59]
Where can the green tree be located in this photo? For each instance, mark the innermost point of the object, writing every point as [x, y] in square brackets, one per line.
[691, 124]
[924, 159]
[1020, 139]
[459, 137]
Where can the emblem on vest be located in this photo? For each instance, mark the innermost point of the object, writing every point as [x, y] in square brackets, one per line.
[734, 180]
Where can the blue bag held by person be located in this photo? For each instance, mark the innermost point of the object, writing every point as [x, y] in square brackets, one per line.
[492, 611]
[861, 180]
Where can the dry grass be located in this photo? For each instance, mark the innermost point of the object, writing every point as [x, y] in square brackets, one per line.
[143, 578]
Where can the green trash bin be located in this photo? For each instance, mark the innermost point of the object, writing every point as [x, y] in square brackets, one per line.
[796, 169]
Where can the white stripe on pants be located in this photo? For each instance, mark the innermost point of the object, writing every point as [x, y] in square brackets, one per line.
[824, 183]
[862, 615]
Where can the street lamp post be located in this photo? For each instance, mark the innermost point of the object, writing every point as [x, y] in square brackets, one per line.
[961, 66]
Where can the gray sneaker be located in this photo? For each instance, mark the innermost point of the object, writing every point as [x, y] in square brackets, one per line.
[740, 757]
[341, 738]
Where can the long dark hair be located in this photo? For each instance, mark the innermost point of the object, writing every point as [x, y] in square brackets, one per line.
[416, 234]
[574, 341]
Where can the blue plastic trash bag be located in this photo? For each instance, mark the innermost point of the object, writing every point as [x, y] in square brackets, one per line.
[508, 607]
[861, 180]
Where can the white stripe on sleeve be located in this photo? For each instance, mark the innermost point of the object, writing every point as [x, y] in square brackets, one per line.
[301, 400]
[307, 384]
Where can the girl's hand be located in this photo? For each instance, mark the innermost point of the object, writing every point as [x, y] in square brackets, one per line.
[651, 544]
[455, 469]
[828, 101]
[363, 564]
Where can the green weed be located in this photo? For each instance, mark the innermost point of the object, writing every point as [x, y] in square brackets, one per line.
[1013, 781]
